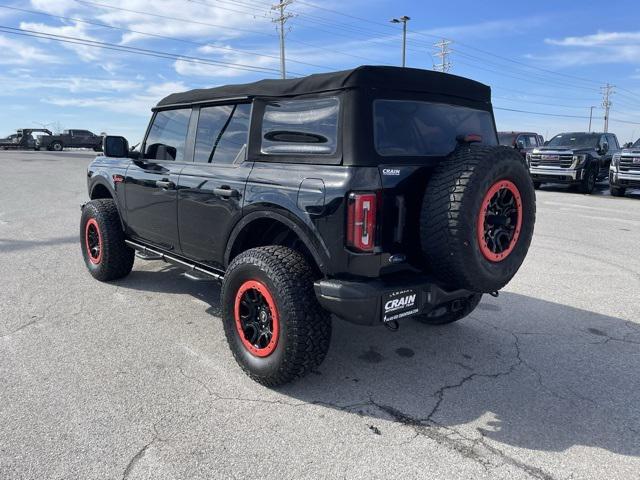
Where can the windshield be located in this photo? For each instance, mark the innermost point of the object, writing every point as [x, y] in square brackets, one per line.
[637, 144]
[575, 140]
[415, 128]
[507, 139]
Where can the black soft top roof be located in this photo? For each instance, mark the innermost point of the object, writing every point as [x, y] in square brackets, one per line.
[371, 77]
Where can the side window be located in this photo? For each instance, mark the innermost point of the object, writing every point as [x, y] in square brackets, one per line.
[302, 127]
[222, 133]
[168, 135]
[532, 141]
[613, 142]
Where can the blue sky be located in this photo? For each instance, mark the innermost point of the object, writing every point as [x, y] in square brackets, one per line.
[546, 57]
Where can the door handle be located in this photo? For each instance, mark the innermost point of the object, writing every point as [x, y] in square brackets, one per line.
[226, 192]
[167, 185]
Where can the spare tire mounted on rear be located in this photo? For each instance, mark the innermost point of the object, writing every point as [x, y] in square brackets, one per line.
[477, 218]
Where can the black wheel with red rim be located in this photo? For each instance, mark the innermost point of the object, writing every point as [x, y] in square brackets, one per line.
[256, 318]
[477, 218]
[105, 253]
[93, 241]
[499, 220]
[274, 325]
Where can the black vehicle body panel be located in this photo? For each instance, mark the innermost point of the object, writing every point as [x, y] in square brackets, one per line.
[199, 212]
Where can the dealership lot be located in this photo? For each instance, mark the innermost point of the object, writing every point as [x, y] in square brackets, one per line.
[134, 379]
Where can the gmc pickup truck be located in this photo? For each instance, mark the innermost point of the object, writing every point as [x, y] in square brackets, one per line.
[625, 170]
[575, 158]
[375, 194]
[70, 139]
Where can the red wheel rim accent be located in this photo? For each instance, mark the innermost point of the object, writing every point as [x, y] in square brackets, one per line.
[255, 314]
[505, 192]
[93, 241]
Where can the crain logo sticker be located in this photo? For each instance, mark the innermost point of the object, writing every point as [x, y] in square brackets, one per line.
[399, 303]
[391, 171]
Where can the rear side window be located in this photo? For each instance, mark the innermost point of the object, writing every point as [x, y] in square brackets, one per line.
[222, 133]
[167, 135]
[416, 128]
[301, 127]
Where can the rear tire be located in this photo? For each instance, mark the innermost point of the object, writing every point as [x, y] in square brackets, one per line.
[444, 314]
[617, 191]
[477, 218]
[56, 147]
[274, 325]
[105, 253]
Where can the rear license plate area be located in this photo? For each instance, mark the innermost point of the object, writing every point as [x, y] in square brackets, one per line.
[399, 304]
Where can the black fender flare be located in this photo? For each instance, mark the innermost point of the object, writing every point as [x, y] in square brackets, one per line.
[315, 246]
[100, 180]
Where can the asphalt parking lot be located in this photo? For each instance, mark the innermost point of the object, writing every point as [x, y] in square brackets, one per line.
[134, 380]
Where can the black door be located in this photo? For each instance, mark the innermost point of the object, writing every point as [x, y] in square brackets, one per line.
[211, 190]
[151, 182]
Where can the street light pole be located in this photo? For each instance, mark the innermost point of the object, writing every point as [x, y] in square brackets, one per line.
[590, 117]
[404, 19]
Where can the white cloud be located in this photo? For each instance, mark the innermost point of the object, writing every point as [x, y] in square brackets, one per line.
[16, 52]
[138, 104]
[488, 29]
[57, 7]
[77, 30]
[597, 48]
[598, 39]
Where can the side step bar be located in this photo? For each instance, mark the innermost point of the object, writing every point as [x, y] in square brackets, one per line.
[156, 254]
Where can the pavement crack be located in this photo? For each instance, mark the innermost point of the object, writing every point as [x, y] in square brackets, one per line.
[21, 327]
[135, 459]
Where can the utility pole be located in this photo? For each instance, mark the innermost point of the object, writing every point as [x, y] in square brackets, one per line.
[403, 20]
[280, 20]
[607, 91]
[444, 52]
[590, 116]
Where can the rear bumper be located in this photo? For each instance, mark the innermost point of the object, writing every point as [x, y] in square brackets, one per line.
[556, 175]
[374, 302]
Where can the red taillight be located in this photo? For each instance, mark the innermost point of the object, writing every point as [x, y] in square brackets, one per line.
[361, 221]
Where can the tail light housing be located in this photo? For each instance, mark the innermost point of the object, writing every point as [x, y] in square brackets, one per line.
[362, 212]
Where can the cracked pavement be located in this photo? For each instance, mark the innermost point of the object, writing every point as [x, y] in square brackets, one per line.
[134, 380]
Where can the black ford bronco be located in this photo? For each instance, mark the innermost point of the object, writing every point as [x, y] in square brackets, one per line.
[374, 194]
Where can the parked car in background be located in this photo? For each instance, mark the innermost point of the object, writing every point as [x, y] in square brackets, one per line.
[574, 158]
[625, 170]
[70, 139]
[524, 142]
[23, 139]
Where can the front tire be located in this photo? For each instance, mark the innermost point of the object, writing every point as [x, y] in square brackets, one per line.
[588, 183]
[56, 146]
[105, 253]
[450, 312]
[274, 325]
[617, 191]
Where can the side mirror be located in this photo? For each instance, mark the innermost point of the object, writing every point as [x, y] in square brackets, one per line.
[114, 146]
[604, 148]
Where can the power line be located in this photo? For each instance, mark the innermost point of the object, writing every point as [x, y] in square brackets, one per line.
[540, 113]
[164, 37]
[127, 49]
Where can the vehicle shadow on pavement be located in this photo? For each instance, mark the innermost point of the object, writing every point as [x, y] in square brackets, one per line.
[520, 371]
